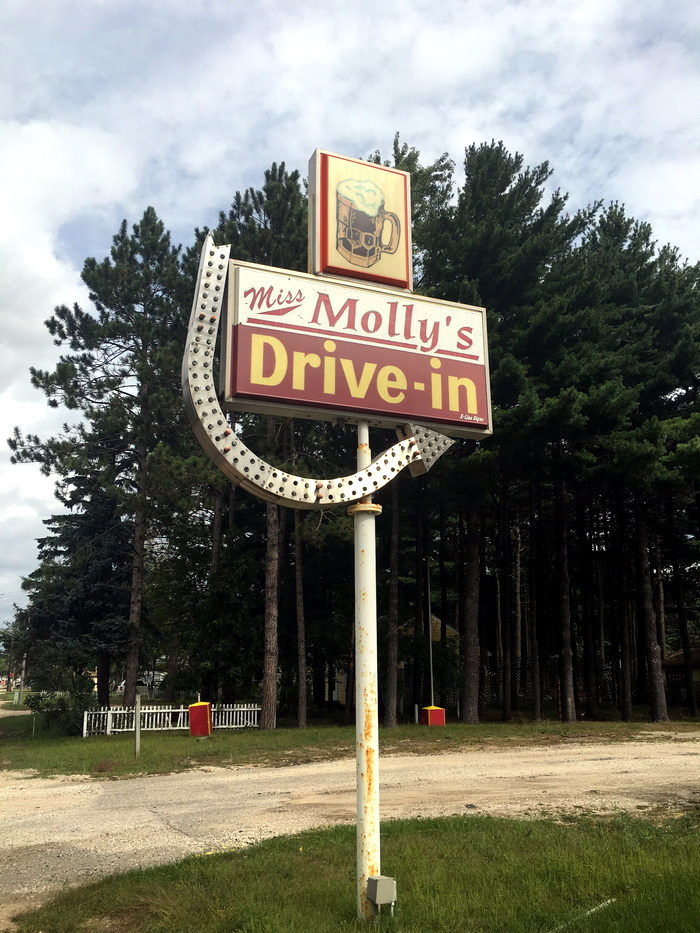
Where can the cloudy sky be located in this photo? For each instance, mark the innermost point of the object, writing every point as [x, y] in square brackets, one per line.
[108, 106]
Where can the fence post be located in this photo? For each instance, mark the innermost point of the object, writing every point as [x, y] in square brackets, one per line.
[137, 725]
[109, 721]
[85, 715]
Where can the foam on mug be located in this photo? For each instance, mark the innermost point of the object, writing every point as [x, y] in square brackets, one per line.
[365, 195]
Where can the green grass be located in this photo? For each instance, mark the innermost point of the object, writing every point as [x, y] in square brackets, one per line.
[108, 756]
[454, 874]
[7, 700]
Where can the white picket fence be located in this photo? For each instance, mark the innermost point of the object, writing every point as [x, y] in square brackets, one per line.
[109, 720]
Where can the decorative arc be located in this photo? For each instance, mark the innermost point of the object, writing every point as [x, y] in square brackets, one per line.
[418, 448]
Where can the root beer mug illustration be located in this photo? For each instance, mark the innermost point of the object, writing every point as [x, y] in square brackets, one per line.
[362, 223]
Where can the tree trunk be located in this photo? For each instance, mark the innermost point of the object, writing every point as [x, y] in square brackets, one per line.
[332, 677]
[470, 642]
[533, 647]
[566, 669]
[639, 641]
[647, 622]
[173, 664]
[349, 711]
[460, 571]
[428, 616]
[301, 624]
[586, 588]
[217, 531]
[443, 599]
[517, 641]
[621, 599]
[681, 615]
[420, 653]
[506, 612]
[659, 600]
[625, 662]
[392, 670]
[104, 662]
[604, 694]
[484, 669]
[499, 625]
[135, 635]
[318, 679]
[231, 507]
[268, 712]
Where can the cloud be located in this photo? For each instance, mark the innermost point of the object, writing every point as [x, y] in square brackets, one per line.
[24, 503]
[56, 170]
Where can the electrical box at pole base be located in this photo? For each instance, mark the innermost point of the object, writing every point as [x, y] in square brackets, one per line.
[432, 716]
[200, 720]
[381, 890]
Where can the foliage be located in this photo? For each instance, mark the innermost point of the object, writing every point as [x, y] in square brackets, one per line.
[594, 337]
[63, 712]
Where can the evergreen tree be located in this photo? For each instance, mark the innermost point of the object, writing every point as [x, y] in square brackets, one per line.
[595, 375]
[268, 226]
[78, 596]
[123, 355]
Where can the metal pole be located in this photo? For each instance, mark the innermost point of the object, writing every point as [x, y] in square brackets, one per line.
[430, 631]
[137, 725]
[364, 513]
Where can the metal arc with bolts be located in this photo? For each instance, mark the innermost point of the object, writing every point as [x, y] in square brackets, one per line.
[417, 448]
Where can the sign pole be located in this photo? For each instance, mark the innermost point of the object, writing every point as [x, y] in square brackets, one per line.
[366, 691]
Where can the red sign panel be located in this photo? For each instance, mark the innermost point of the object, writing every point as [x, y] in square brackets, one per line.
[308, 346]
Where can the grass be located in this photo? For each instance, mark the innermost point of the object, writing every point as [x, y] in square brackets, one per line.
[112, 756]
[7, 701]
[454, 874]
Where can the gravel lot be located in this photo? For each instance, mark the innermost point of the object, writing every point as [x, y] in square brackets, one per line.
[71, 830]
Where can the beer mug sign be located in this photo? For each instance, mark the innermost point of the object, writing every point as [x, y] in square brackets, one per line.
[351, 232]
[363, 224]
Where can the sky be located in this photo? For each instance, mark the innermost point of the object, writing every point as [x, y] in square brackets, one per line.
[108, 106]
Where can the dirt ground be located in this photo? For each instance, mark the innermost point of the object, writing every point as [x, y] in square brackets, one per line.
[72, 830]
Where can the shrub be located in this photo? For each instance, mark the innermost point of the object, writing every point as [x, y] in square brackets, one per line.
[63, 712]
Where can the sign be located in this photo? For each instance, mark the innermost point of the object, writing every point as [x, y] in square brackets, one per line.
[359, 220]
[319, 347]
[306, 346]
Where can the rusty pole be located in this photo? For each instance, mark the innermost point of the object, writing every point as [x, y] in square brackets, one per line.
[366, 693]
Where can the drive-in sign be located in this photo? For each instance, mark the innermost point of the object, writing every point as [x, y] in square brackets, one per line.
[317, 347]
[329, 346]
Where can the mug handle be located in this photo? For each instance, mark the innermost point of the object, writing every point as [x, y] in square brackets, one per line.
[395, 232]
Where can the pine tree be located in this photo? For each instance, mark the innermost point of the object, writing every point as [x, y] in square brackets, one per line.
[78, 596]
[268, 226]
[123, 354]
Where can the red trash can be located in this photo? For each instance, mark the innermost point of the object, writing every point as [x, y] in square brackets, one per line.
[200, 719]
[432, 716]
